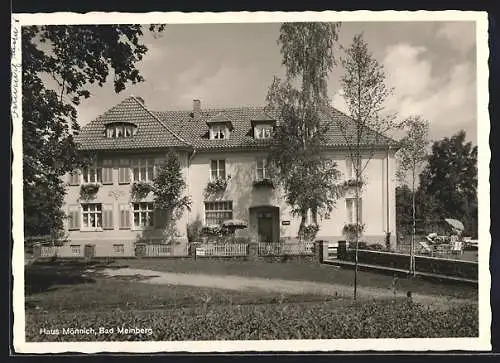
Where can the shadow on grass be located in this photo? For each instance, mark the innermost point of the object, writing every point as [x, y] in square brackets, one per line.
[42, 276]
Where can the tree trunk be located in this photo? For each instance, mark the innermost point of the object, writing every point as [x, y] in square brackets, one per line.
[303, 217]
[414, 228]
[356, 240]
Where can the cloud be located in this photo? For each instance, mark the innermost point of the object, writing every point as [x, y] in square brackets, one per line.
[229, 85]
[447, 99]
[407, 69]
[460, 35]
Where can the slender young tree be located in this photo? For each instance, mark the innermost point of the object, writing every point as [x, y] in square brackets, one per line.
[365, 93]
[308, 181]
[412, 155]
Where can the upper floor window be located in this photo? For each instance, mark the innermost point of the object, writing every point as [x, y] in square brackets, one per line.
[143, 170]
[120, 130]
[263, 131]
[218, 132]
[351, 205]
[262, 169]
[217, 169]
[92, 174]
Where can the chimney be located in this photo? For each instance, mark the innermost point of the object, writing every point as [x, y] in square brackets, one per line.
[196, 106]
[140, 99]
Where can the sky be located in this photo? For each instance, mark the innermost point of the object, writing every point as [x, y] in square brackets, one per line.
[430, 65]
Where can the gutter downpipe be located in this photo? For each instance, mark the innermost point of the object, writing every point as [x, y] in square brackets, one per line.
[387, 196]
[190, 159]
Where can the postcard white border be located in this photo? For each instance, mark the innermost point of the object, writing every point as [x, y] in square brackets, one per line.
[482, 343]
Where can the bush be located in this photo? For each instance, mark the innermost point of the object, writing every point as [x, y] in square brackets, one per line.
[331, 320]
[194, 231]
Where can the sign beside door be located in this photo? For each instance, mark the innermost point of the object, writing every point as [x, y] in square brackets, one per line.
[285, 223]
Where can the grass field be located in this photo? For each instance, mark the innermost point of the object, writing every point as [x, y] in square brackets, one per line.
[66, 296]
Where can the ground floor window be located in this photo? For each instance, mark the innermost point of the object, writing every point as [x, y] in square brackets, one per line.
[119, 249]
[92, 215]
[75, 250]
[218, 212]
[143, 214]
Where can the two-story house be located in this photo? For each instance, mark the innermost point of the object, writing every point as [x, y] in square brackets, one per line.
[228, 145]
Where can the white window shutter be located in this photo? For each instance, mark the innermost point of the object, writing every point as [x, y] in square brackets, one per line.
[74, 177]
[74, 217]
[124, 216]
[107, 216]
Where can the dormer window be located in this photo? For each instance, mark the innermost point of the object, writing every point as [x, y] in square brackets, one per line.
[218, 132]
[220, 127]
[263, 126]
[120, 130]
[263, 131]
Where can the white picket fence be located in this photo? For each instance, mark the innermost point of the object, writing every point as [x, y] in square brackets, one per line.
[165, 250]
[280, 249]
[222, 250]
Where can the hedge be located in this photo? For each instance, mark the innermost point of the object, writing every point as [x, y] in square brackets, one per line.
[329, 320]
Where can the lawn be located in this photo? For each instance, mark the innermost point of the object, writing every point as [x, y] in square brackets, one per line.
[62, 295]
[302, 272]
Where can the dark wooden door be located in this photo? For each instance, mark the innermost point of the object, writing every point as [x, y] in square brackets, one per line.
[266, 227]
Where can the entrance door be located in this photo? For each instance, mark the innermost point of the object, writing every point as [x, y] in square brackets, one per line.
[266, 227]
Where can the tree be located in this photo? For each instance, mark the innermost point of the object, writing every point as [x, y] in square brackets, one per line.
[365, 92]
[73, 57]
[412, 155]
[450, 177]
[168, 188]
[308, 180]
[403, 209]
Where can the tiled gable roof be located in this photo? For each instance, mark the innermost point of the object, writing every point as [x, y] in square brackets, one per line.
[187, 129]
[152, 132]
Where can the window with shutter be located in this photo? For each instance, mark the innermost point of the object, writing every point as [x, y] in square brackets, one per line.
[124, 172]
[351, 206]
[107, 172]
[74, 177]
[107, 216]
[349, 169]
[124, 216]
[74, 217]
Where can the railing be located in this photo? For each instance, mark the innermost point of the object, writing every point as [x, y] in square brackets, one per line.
[281, 249]
[158, 250]
[61, 251]
[222, 250]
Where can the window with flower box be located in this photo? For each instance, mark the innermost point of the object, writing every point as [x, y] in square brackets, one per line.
[351, 206]
[218, 212]
[143, 170]
[217, 169]
[92, 174]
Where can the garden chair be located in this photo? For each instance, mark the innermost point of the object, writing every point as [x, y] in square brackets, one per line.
[425, 248]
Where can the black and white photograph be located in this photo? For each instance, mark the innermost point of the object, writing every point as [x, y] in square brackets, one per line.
[230, 182]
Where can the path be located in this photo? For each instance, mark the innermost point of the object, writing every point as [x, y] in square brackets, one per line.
[273, 285]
